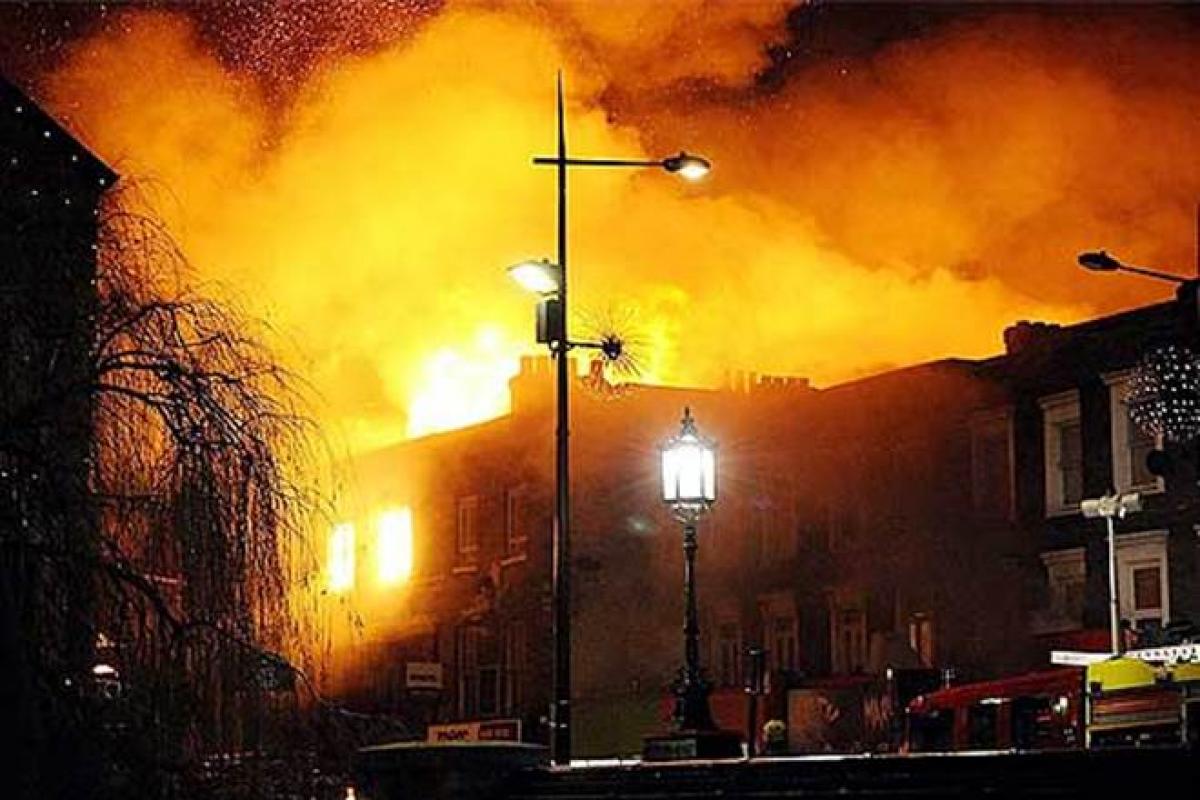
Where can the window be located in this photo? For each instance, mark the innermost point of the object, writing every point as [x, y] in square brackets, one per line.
[783, 643]
[516, 531]
[468, 528]
[466, 653]
[1130, 444]
[1063, 452]
[478, 668]
[514, 666]
[1142, 589]
[991, 466]
[1066, 575]
[729, 650]
[849, 640]
[920, 637]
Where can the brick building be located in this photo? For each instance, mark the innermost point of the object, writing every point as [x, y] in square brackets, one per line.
[922, 517]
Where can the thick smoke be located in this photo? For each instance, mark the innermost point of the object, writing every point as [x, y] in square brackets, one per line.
[902, 203]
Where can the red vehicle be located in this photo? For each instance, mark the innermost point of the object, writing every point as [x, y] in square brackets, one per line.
[1038, 711]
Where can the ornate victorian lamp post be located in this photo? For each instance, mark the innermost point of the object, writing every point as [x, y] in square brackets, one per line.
[689, 487]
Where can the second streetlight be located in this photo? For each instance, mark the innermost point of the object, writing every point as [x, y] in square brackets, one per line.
[549, 279]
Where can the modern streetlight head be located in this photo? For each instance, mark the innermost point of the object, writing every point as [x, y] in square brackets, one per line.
[1099, 261]
[691, 167]
[689, 471]
[540, 277]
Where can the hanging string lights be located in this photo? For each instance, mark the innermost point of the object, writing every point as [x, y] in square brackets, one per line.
[1164, 393]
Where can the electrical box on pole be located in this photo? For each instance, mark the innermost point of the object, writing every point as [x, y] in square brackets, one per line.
[549, 320]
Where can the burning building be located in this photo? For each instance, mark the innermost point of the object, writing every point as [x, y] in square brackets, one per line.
[924, 518]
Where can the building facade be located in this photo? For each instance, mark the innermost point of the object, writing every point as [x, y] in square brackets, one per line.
[925, 518]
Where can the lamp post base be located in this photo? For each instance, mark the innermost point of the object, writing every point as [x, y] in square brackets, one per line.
[688, 745]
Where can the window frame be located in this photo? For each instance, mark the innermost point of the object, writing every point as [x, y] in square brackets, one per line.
[981, 424]
[1058, 410]
[1062, 568]
[466, 551]
[1122, 454]
[516, 542]
[1136, 551]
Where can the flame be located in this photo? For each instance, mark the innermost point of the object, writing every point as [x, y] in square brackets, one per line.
[866, 210]
[459, 386]
[394, 546]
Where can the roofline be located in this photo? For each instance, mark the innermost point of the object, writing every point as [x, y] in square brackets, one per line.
[90, 161]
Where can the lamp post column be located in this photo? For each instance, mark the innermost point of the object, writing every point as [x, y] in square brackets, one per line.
[691, 706]
[560, 711]
[1114, 615]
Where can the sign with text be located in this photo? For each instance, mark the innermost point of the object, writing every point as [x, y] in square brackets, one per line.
[423, 675]
[492, 730]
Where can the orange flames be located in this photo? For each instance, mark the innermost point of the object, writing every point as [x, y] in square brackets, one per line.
[865, 210]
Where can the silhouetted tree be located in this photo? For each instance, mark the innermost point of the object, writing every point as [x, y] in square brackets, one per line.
[156, 478]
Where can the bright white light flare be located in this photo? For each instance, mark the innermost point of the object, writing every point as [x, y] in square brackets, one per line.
[341, 558]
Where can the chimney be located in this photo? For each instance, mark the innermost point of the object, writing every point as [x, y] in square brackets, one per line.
[1026, 334]
[532, 387]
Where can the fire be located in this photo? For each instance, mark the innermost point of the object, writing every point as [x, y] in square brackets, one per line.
[394, 547]
[459, 386]
[905, 205]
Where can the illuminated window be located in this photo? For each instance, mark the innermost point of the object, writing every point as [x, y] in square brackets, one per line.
[341, 558]
[394, 547]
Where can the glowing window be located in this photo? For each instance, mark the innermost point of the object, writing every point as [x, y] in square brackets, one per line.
[341, 558]
[394, 549]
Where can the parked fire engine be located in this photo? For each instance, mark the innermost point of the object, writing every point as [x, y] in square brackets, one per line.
[1144, 698]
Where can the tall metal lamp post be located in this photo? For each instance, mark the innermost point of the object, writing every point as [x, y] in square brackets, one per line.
[1112, 507]
[549, 279]
[689, 488]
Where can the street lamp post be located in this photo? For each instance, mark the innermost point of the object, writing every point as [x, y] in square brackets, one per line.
[550, 280]
[689, 487]
[1112, 507]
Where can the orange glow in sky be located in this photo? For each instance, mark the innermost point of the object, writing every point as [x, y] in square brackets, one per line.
[864, 212]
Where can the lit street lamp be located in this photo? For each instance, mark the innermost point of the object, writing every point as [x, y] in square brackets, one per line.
[549, 279]
[1112, 506]
[689, 488]
[1101, 261]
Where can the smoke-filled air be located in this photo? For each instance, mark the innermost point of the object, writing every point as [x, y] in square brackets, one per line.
[360, 176]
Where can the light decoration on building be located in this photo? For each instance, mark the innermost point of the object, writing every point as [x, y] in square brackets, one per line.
[394, 546]
[1164, 394]
[341, 558]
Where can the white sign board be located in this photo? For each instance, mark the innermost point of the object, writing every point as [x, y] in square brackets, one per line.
[492, 730]
[423, 675]
[1076, 658]
[1171, 654]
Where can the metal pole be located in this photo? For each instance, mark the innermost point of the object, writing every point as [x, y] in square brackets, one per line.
[691, 702]
[560, 711]
[691, 623]
[1113, 616]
